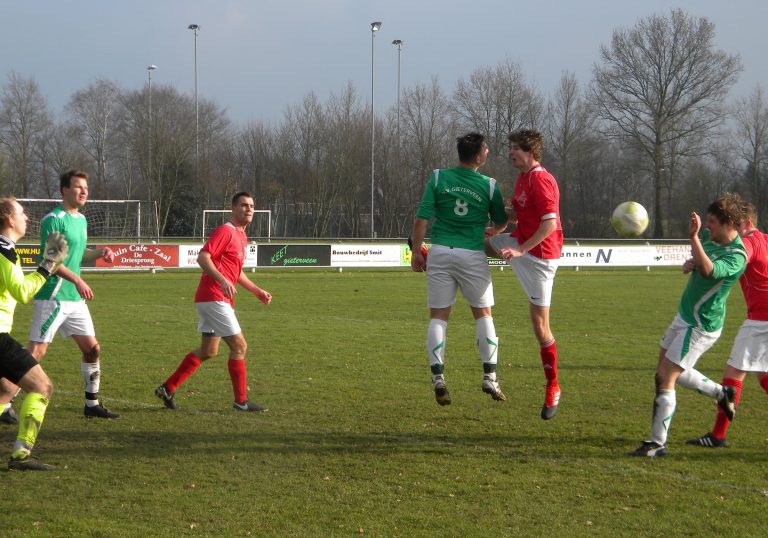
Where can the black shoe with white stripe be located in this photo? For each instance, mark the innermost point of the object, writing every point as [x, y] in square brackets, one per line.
[707, 441]
[249, 406]
[650, 449]
[9, 416]
[725, 402]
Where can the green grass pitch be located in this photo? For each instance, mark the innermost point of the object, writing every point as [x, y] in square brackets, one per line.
[354, 443]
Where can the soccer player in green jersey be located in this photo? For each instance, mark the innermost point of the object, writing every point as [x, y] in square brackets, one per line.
[16, 363]
[460, 201]
[61, 304]
[719, 258]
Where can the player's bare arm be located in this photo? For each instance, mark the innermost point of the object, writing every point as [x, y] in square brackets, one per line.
[93, 254]
[418, 263]
[206, 264]
[496, 230]
[700, 259]
[261, 294]
[542, 232]
[511, 213]
[82, 287]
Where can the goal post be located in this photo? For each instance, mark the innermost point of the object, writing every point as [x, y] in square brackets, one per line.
[132, 220]
[261, 226]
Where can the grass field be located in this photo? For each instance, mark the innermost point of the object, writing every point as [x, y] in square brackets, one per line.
[354, 443]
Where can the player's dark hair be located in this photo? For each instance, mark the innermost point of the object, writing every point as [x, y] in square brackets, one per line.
[749, 212]
[729, 208]
[529, 140]
[236, 197]
[6, 209]
[469, 145]
[65, 180]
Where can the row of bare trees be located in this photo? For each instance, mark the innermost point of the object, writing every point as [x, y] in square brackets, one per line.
[654, 125]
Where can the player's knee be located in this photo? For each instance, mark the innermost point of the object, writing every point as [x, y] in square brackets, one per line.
[46, 388]
[240, 348]
[93, 354]
[42, 385]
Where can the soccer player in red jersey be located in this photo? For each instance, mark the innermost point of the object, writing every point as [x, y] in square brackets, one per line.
[750, 349]
[533, 248]
[221, 260]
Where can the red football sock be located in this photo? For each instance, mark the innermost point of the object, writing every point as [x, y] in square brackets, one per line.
[721, 421]
[549, 361]
[238, 375]
[764, 382]
[184, 370]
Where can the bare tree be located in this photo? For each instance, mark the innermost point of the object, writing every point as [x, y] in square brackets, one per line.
[346, 160]
[429, 127]
[92, 112]
[569, 144]
[751, 117]
[24, 121]
[662, 81]
[496, 101]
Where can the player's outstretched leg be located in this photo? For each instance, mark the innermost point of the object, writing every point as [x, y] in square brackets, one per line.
[731, 396]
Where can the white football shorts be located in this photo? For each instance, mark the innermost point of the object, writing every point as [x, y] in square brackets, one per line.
[750, 348]
[450, 269]
[217, 318]
[67, 317]
[685, 344]
[536, 276]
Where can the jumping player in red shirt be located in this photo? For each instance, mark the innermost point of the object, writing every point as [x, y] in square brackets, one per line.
[221, 260]
[533, 248]
[750, 348]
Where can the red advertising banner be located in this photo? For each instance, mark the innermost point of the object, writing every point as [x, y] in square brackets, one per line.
[141, 256]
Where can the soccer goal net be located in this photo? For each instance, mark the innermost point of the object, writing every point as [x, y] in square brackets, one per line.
[260, 227]
[130, 220]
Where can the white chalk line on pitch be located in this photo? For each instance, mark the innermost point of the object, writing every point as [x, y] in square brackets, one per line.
[622, 470]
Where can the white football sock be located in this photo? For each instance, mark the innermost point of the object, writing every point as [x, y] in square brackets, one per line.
[436, 344]
[695, 380]
[663, 409]
[91, 378]
[487, 343]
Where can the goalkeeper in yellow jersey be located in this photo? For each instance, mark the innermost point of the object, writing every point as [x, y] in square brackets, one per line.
[16, 363]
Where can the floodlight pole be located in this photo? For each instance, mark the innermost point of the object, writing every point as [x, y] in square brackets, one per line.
[399, 44]
[150, 68]
[195, 28]
[374, 28]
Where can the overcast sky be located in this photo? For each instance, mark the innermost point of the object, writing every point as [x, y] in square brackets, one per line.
[255, 57]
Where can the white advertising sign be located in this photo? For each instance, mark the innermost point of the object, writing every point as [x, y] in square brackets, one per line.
[366, 255]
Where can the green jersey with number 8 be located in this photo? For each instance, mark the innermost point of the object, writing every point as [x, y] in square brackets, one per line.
[461, 201]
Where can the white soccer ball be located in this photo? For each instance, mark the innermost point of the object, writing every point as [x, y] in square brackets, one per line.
[629, 219]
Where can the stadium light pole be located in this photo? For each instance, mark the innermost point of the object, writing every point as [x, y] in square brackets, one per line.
[150, 68]
[195, 28]
[374, 28]
[399, 44]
